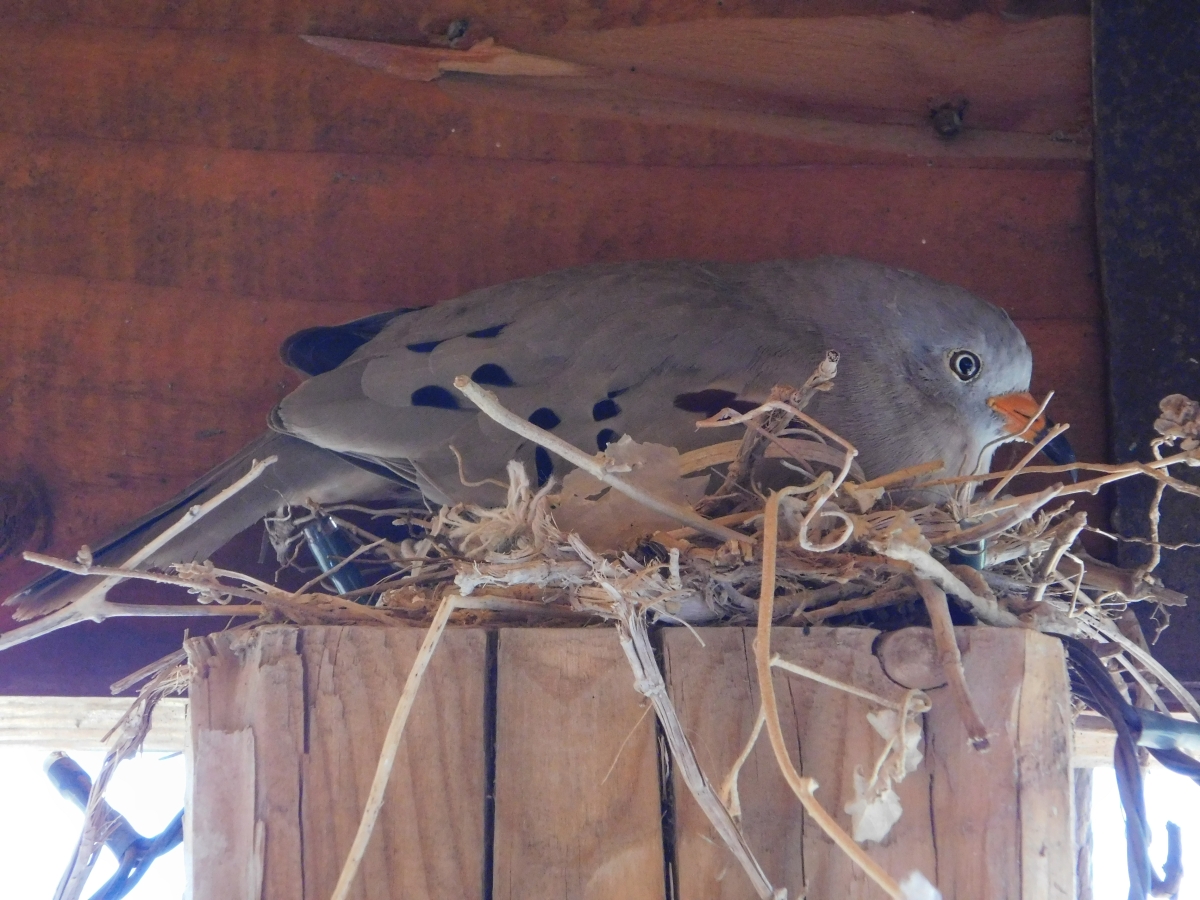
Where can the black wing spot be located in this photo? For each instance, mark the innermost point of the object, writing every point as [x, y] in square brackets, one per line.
[544, 465]
[544, 418]
[605, 409]
[711, 401]
[423, 346]
[605, 437]
[492, 374]
[434, 395]
[315, 351]
[488, 332]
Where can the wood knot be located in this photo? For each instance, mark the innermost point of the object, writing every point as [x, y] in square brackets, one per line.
[24, 516]
[947, 119]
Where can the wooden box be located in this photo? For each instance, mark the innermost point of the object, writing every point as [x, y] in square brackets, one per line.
[531, 768]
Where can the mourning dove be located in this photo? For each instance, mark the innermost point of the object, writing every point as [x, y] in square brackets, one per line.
[927, 371]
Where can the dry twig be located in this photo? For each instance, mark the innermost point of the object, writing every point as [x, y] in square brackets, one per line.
[952, 664]
[802, 787]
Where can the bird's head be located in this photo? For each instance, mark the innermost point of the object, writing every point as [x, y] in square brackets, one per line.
[966, 359]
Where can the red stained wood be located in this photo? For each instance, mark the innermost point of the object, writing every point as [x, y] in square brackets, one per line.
[412, 21]
[391, 232]
[1024, 88]
[1031, 77]
[757, 91]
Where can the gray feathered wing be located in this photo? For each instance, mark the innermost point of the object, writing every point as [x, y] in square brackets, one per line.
[588, 353]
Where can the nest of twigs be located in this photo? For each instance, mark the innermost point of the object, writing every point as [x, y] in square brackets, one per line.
[643, 534]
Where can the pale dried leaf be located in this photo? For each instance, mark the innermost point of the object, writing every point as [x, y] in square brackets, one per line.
[916, 886]
[605, 518]
[864, 498]
[888, 724]
[874, 809]
[1180, 419]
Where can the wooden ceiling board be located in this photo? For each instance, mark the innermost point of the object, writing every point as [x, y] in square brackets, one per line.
[407, 20]
[392, 231]
[800, 93]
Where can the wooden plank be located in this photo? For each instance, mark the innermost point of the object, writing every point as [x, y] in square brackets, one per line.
[329, 226]
[277, 93]
[790, 133]
[413, 21]
[80, 723]
[246, 739]
[307, 709]
[996, 825]
[429, 839]
[1031, 77]
[1047, 790]
[866, 85]
[714, 689]
[577, 784]
[989, 846]
[225, 857]
[978, 834]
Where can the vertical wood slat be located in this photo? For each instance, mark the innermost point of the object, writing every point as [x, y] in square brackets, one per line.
[430, 842]
[986, 826]
[1003, 819]
[715, 690]
[246, 735]
[307, 709]
[1044, 751]
[577, 784]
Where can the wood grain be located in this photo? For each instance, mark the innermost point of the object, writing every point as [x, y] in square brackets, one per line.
[308, 709]
[798, 93]
[429, 840]
[866, 86]
[287, 722]
[407, 20]
[81, 723]
[246, 740]
[1029, 77]
[224, 857]
[1045, 749]
[1002, 819]
[713, 686]
[995, 825]
[392, 231]
[721, 116]
[577, 790]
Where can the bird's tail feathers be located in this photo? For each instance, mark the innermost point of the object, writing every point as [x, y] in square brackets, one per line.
[301, 473]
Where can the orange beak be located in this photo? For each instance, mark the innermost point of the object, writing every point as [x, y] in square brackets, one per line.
[1019, 410]
[1021, 420]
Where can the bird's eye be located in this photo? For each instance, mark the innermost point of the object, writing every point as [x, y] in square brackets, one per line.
[965, 365]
